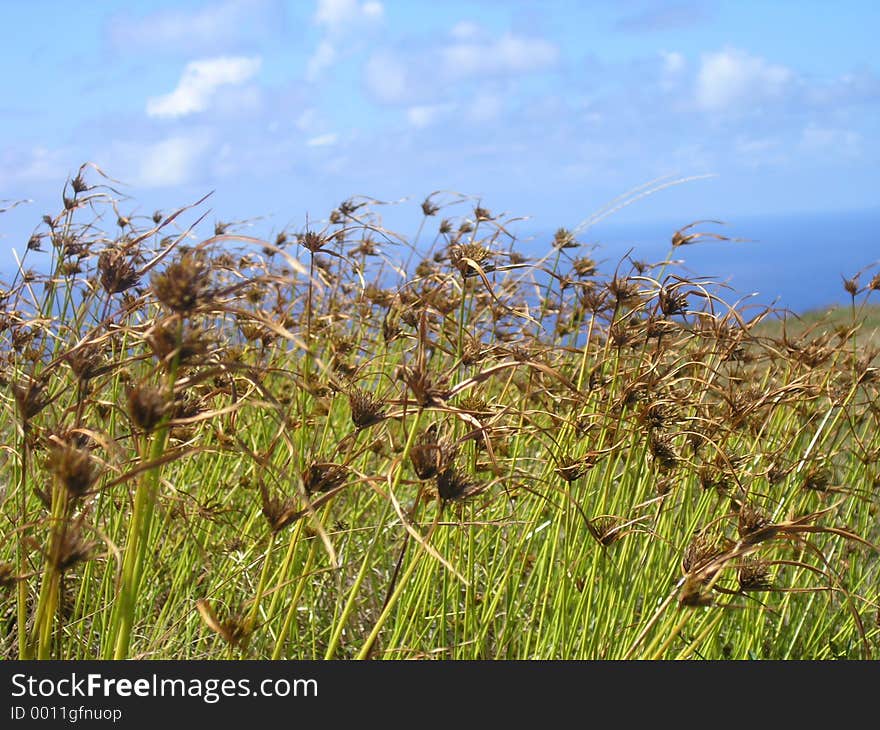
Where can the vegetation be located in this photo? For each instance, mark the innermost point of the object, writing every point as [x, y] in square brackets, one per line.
[345, 444]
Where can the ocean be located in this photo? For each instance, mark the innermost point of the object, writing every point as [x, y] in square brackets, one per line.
[794, 262]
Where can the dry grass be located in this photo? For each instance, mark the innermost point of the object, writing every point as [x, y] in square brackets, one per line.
[340, 443]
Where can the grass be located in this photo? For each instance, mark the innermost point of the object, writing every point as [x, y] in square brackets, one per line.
[344, 444]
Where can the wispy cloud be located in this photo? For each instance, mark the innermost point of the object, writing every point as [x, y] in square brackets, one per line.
[508, 54]
[830, 142]
[32, 165]
[666, 16]
[418, 76]
[334, 14]
[199, 83]
[732, 78]
[167, 162]
[338, 20]
[212, 27]
[323, 57]
[323, 140]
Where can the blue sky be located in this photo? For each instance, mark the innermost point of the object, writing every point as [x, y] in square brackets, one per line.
[543, 109]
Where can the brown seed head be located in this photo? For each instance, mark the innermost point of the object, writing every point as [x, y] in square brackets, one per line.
[455, 486]
[366, 409]
[146, 406]
[183, 285]
[323, 477]
[563, 238]
[73, 467]
[431, 455]
[85, 361]
[8, 578]
[753, 525]
[30, 398]
[116, 271]
[660, 445]
[72, 550]
[754, 575]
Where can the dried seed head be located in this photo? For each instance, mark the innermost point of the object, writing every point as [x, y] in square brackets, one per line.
[183, 285]
[73, 467]
[431, 455]
[86, 361]
[312, 240]
[455, 486]
[30, 398]
[754, 575]
[162, 339]
[753, 525]
[851, 286]
[72, 550]
[429, 208]
[623, 290]
[427, 389]
[278, 512]
[482, 214]
[146, 406]
[79, 184]
[570, 468]
[672, 302]
[563, 238]
[323, 477]
[584, 267]
[660, 445]
[116, 271]
[605, 529]
[461, 256]
[366, 409]
[700, 552]
[817, 479]
[8, 578]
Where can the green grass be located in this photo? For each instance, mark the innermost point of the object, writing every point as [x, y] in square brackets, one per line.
[229, 448]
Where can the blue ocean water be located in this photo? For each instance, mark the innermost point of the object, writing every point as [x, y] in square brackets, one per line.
[794, 261]
[787, 261]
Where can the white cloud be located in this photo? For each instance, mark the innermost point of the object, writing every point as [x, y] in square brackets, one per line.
[322, 58]
[507, 54]
[485, 108]
[421, 76]
[464, 29]
[338, 18]
[838, 143]
[41, 164]
[307, 118]
[213, 26]
[170, 162]
[751, 147]
[386, 78]
[673, 62]
[372, 10]
[323, 140]
[425, 115]
[200, 82]
[733, 78]
[334, 14]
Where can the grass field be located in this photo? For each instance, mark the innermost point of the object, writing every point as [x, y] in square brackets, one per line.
[342, 444]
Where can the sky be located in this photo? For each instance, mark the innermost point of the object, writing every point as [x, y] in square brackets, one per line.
[551, 109]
